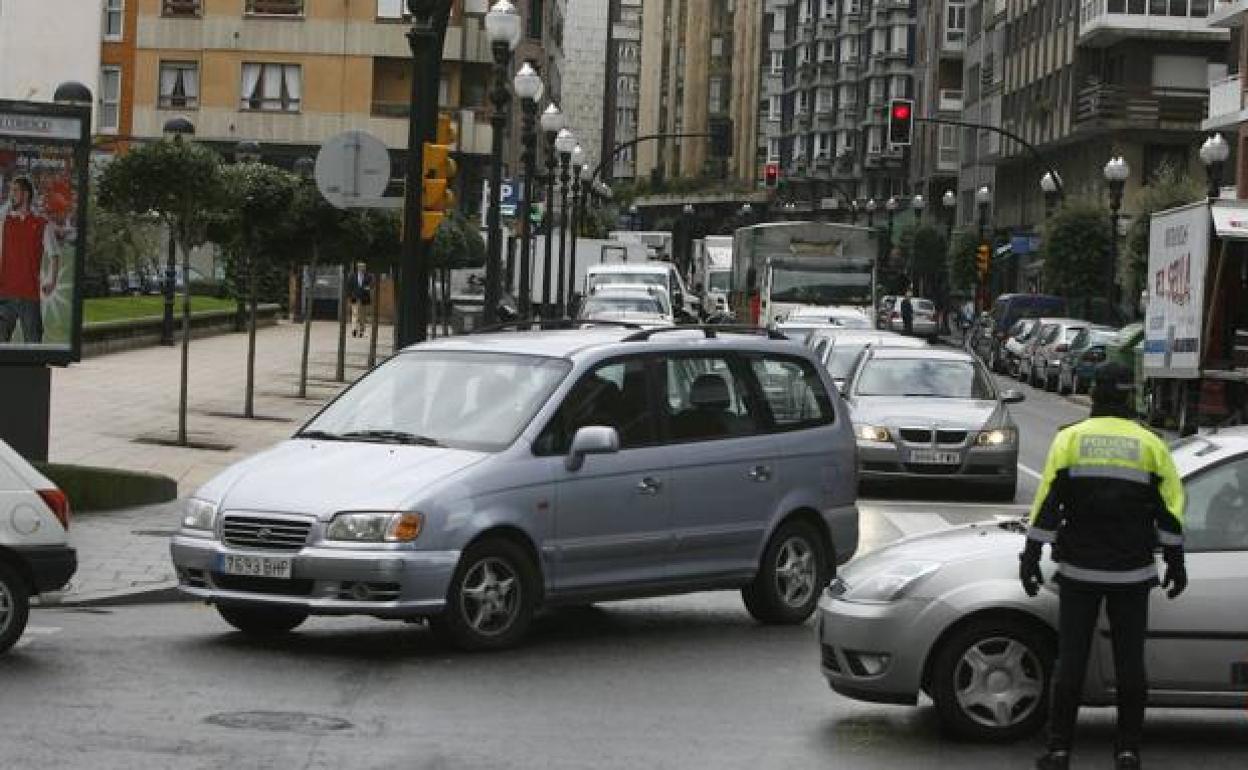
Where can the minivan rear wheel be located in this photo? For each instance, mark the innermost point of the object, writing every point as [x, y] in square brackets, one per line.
[492, 598]
[793, 571]
[14, 607]
[261, 620]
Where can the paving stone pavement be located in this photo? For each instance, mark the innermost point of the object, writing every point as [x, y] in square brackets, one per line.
[104, 407]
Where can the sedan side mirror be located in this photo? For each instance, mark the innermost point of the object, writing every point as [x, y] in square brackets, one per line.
[591, 440]
[1012, 397]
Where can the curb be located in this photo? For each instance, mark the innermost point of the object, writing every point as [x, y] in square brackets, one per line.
[161, 594]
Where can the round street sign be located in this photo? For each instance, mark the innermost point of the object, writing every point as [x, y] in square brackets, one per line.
[352, 169]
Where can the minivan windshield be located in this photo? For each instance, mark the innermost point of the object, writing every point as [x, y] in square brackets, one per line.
[644, 278]
[933, 378]
[478, 401]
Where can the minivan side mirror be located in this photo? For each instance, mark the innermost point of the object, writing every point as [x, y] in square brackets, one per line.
[591, 440]
[1012, 397]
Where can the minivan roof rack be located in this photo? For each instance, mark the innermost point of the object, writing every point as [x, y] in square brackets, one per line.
[551, 324]
[710, 330]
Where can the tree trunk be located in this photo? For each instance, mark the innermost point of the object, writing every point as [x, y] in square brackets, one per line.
[340, 372]
[446, 301]
[308, 284]
[249, 405]
[372, 336]
[186, 343]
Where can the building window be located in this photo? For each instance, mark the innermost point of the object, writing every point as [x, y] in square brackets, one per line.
[536, 16]
[773, 108]
[716, 95]
[179, 85]
[274, 7]
[272, 87]
[777, 62]
[717, 46]
[114, 19]
[180, 8]
[110, 100]
[392, 9]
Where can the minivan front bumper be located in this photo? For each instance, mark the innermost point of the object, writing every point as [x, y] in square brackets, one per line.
[325, 581]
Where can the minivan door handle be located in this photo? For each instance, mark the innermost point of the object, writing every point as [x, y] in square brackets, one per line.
[649, 486]
[759, 473]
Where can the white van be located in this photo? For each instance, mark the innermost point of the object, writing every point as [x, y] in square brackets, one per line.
[35, 556]
[649, 273]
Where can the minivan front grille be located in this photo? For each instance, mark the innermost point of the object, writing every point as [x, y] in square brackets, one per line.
[264, 532]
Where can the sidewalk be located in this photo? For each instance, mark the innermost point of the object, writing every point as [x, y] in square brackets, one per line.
[104, 408]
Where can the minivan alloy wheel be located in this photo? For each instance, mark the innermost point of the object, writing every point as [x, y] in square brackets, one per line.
[490, 597]
[796, 572]
[999, 682]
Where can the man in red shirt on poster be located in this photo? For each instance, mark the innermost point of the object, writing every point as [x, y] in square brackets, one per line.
[26, 238]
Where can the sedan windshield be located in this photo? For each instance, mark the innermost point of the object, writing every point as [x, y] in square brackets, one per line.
[479, 401]
[811, 287]
[935, 378]
[646, 279]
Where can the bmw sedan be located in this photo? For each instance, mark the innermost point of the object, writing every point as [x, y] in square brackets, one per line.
[944, 615]
[933, 413]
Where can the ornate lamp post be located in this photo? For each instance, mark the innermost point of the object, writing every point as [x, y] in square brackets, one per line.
[175, 129]
[853, 212]
[578, 165]
[1213, 153]
[502, 27]
[634, 215]
[918, 204]
[1050, 185]
[528, 87]
[552, 123]
[1116, 172]
[983, 199]
[890, 208]
[950, 202]
[565, 143]
[871, 207]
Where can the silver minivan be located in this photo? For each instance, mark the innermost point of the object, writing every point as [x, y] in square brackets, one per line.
[474, 479]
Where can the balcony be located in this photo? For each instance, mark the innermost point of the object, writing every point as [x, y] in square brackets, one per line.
[953, 44]
[947, 159]
[949, 100]
[1111, 106]
[385, 109]
[1228, 13]
[1103, 23]
[1226, 104]
[180, 8]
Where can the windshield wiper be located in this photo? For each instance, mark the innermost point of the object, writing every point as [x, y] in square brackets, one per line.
[392, 437]
[323, 435]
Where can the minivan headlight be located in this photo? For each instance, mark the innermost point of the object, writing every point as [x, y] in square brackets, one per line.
[997, 437]
[381, 527]
[199, 514]
[889, 584]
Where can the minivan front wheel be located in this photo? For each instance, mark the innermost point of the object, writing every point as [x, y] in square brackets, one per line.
[14, 607]
[261, 620]
[491, 600]
[793, 571]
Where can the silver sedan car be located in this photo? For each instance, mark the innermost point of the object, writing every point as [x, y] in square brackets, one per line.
[944, 615]
[932, 413]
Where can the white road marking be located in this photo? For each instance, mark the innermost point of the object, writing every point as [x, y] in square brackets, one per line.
[917, 523]
[936, 504]
[1034, 474]
[28, 636]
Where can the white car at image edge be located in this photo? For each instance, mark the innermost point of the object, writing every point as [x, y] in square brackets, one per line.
[35, 556]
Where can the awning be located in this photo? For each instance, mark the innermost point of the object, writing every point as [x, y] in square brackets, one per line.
[1230, 219]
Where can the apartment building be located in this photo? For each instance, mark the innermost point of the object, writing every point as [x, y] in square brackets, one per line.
[940, 41]
[688, 77]
[1084, 80]
[832, 66]
[622, 87]
[585, 73]
[1228, 105]
[46, 43]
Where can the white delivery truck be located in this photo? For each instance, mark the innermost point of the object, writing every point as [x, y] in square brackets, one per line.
[712, 273]
[1195, 351]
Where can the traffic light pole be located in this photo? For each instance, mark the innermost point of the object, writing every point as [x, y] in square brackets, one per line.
[610, 157]
[1035, 153]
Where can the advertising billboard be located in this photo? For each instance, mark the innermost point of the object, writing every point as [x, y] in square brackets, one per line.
[1178, 253]
[44, 153]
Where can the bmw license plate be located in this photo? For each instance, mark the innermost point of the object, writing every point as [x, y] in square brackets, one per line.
[257, 566]
[933, 457]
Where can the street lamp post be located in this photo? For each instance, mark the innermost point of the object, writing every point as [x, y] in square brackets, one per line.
[502, 27]
[175, 128]
[853, 212]
[983, 199]
[574, 219]
[529, 87]
[565, 143]
[1050, 185]
[950, 202]
[890, 210]
[871, 206]
[552, 124]
[687, 213]
[1116, 172]
[1213, 153]
[633, 214]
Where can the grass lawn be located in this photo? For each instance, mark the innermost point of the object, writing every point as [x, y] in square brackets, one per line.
[99, 309]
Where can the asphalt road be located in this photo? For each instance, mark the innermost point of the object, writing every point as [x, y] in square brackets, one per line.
[683, 682]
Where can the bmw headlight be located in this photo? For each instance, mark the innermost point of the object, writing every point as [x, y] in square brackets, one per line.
[371, 527]
[199, 514]
[997, 437]
[890, 583]
[873, 433]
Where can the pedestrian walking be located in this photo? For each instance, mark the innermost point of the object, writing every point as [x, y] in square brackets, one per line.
[907, 313]
[1109, 495]
[360, 295]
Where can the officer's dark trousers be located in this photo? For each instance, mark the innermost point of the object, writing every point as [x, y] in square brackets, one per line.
[1127, 609]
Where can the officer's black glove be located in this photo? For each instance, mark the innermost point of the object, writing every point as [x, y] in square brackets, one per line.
[1029, 569]
[1176, 575]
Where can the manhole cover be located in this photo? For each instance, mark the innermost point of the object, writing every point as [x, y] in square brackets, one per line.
[280, 722]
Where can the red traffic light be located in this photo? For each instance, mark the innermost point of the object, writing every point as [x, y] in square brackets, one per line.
[771, 174]
[901, 111]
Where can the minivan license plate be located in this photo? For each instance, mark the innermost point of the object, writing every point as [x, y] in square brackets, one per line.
[933, 457]
[256, 566]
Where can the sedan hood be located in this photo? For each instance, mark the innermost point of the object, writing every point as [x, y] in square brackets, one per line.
[917, 411]
[962, 543]
[325, 477]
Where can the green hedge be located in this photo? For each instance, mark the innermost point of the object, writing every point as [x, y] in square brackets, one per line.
[105, 489]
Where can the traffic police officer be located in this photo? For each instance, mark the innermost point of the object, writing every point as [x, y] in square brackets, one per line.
[1109, 495]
